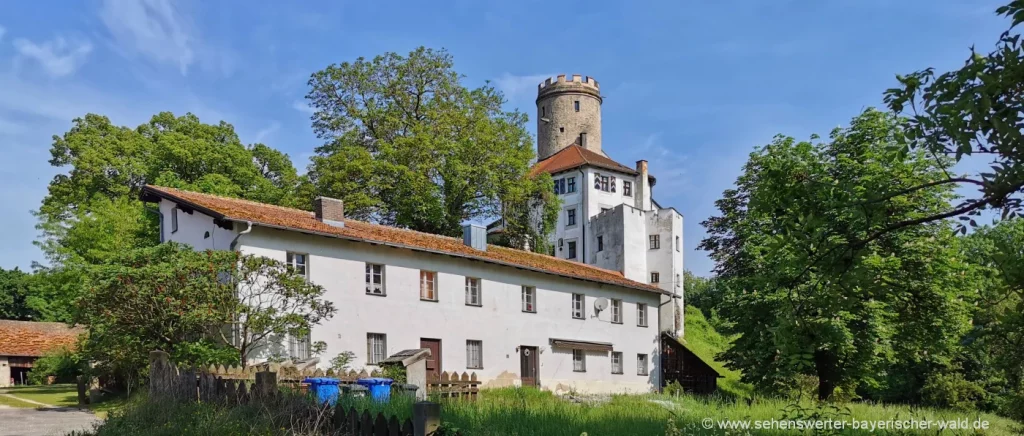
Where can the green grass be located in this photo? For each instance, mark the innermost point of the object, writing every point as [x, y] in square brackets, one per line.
[11, 402]
[704, 341]
[61, 395]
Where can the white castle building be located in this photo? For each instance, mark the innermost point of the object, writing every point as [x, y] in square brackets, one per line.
[609, 217]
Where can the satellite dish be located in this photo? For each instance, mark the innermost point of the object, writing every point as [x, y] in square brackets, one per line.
[601, 304]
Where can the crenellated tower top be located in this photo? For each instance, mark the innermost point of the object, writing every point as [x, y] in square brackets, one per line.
[568, 112]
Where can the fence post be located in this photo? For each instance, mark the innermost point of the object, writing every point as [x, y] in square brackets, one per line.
[82, 388]
[161, 374]
[426, 418]
[266, 384]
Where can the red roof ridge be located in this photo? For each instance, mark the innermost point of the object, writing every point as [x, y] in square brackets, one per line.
[362, 230]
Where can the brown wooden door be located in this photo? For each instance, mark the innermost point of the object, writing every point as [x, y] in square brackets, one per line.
[434, 361]
[528, 366]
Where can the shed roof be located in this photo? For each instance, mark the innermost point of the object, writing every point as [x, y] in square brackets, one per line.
[243, 211]
[33, 339]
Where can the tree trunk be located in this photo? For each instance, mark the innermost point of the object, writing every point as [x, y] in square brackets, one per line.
[827, 365]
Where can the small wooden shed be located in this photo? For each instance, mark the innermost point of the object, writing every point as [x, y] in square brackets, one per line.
[680, 364]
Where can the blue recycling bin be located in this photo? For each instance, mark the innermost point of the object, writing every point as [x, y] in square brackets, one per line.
[324, 388]
[380, 388]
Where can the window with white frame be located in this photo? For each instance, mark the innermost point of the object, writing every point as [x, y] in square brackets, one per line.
[473, 291]
[570, 185]
[572, 250]
[299, 347]
[174, 219]
[474, 354]
[577, 306]
[297, 262]
[375, 279]
[376, 348]
[655, 277]
[570, 217]
[641, 314]
[529, 299]
[579, 361]
[641, 364]
[616, 362]
[428, 285]
[655, 242]
[617, 311]
[627, 188]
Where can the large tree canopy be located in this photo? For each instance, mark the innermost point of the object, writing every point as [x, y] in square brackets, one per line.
[92, 210]
[407, 144]
[872, 302]
[972, 111]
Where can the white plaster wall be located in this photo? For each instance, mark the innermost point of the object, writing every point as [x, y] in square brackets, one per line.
[564, 232]
[5, 372]
[597, 199]
[192, 229]
[339, 266]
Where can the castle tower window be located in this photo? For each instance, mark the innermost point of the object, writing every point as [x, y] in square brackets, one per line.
[543, 111]
[576, 105]
[600, 243]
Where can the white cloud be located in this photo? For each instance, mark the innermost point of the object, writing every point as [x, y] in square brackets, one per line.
[267, 131]
[58, 57]
[153, 29]
[302, 106]
[519, 87]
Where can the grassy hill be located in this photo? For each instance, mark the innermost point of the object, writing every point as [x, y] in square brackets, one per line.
[704, 341]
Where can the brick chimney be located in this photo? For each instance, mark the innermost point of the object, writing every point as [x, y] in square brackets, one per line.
[330, 211]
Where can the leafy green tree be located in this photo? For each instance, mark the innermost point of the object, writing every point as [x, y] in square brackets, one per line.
[994, 347]
[14, 292]
[202, 307]
[272, 301]
[971, 111]
[93, 208]
[407, 144]
[811, 287]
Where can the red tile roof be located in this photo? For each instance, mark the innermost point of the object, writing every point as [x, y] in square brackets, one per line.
[233, 209]
[33, 339]
[575, 156]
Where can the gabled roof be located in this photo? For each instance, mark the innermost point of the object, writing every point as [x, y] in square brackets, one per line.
[33, 339]
[573, 157]
[243, 211]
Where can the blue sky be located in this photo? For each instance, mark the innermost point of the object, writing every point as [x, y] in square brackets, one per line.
[690, 86]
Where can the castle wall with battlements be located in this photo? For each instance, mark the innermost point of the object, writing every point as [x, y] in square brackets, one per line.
[567, 107]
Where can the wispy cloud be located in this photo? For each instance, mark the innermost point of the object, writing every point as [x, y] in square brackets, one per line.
[153, 29]
[266, 132]
[58, 57]
[302, 106]
[519, 87]
[667, 165]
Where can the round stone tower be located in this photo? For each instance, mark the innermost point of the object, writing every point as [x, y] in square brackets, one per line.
[568, 112]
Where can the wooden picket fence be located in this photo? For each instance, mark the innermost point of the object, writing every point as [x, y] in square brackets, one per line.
[238, 386]
[453, 385]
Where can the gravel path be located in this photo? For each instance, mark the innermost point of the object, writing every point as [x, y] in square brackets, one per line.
[48, 421]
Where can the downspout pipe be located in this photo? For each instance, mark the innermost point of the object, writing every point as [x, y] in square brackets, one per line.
[248, 229]
[584, 184]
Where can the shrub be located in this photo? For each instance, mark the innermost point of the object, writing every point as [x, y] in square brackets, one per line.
[953, 391]
[342, 360]
[61, 363]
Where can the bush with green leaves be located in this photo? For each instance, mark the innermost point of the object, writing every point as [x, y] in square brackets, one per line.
[61, 363]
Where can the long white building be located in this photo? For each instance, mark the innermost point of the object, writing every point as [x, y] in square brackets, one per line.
[513, 317]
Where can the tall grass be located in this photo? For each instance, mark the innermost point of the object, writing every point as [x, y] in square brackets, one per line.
[702, 338]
